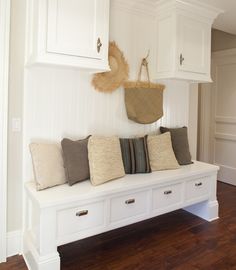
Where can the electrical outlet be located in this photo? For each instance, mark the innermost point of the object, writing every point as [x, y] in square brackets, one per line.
[16, 125]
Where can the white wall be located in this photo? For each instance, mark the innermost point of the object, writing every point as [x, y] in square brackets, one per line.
[16, 82]
[62, 103]
[4, 66]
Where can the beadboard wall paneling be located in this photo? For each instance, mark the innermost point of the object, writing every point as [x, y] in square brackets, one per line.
[62, 103]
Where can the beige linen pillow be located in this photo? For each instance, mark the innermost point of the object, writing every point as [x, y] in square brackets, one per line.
[48, 165]
[161, 153]
[105, 159]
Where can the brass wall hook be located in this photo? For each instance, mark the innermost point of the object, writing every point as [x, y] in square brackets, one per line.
[145, 65]
[147, 54]
[144, 60]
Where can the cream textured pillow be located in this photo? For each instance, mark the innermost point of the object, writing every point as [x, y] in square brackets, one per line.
[48, 165]
[161, 154]
[105, 159]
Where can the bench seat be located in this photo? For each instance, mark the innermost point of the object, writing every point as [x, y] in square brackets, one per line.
[71, 213]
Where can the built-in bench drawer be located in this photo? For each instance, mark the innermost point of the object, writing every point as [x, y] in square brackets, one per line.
[197, 188]
[78, 219]
[167, 197]
[129, 206]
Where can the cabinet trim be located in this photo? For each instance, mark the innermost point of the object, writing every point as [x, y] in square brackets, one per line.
[41, 47]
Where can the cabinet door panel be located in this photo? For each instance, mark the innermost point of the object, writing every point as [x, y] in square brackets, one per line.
[194, 45]
[74, 27]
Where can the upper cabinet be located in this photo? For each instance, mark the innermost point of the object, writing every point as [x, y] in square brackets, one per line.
[184, 40]
[68, 33]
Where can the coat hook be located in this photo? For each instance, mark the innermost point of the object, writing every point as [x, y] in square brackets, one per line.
[147, 54]
[144, 60]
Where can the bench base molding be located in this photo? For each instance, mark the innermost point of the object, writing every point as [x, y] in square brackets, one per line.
[34, 260]
[66, 214]
[207, 210]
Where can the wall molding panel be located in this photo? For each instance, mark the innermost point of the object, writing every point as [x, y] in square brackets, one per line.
[225, 120]
[217, 142]
[225, 137]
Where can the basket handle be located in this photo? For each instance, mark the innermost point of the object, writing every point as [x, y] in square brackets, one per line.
[144, 64]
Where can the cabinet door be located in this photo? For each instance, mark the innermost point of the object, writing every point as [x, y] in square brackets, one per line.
[193, 53]
[74, 27]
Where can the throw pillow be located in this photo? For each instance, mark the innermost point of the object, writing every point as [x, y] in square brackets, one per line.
[161, 153]
[75, 154]
[48, 165]
[179, 138]
[135, 155]
[105, 160]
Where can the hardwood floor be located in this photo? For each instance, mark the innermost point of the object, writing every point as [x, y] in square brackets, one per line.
[175, 241]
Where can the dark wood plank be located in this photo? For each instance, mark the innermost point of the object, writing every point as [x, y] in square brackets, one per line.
[175, 241]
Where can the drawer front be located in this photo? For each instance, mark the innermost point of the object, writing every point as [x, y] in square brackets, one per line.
[167, 197]
[128, 206]
[81, 218]
[197, 188]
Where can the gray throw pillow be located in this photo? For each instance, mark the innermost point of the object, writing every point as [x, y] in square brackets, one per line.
[179, 138]
[75, 154]
[135, 155]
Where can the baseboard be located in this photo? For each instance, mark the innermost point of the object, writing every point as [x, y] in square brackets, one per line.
[14, 243]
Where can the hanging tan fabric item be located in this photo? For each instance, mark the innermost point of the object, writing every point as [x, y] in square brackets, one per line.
[143, 99]
[108, 82]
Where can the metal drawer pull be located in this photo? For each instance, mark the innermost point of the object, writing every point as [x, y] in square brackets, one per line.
[99, 45]
[198, 184]
[130, 201]
[167, 192]
[181, 59]
[82, 213]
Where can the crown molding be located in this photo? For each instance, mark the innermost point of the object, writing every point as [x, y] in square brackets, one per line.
[189, 6]
[152, 8]
[138, 7]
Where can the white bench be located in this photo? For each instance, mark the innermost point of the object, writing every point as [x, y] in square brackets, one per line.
[64, 214]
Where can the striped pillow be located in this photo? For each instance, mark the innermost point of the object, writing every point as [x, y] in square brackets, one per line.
[135, 155]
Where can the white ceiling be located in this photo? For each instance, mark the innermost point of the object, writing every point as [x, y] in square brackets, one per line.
[227, 20]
